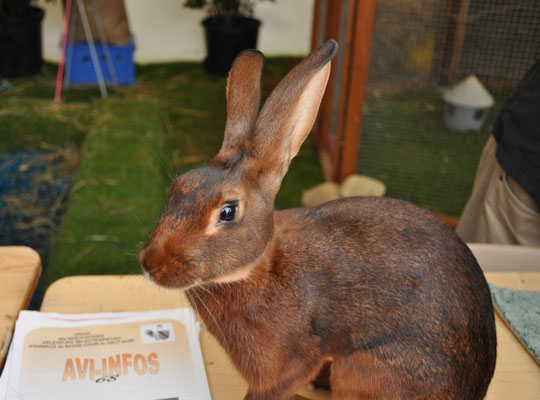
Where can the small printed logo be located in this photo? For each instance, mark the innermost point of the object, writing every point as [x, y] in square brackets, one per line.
[157, 333]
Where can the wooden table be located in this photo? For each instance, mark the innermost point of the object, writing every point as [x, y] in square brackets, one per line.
[20, 268]
[517, 376]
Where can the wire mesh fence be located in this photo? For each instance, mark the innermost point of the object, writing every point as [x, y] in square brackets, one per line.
[419, 47]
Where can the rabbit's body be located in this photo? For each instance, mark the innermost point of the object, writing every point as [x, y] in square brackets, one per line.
[405, 319]
[383, 288]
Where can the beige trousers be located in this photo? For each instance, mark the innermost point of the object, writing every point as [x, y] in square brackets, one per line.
[499, 210]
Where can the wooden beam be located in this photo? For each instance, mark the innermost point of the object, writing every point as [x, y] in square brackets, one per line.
[347, 41]
[317, 27]
[317, 33]
[331, 31]
[354, 88]
[458, 40]
[337, 131]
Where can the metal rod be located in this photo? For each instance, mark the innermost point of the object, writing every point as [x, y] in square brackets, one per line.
[104, 44]
[61, 65]
[92, 46]
[69, 54]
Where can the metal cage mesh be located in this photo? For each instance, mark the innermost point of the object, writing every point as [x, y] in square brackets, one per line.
[418, 47]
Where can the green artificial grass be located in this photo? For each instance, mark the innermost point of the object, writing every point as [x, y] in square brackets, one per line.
[32, 124]
[118, 193]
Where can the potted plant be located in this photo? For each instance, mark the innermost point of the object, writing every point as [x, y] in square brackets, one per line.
[20, 38]
[229, 29]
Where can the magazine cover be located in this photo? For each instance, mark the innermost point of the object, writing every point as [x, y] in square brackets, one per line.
[146, 355]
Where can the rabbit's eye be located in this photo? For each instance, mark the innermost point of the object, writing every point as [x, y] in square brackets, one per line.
[228, 213]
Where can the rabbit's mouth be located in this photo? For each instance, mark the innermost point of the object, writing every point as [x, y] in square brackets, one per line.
[172, 279]
[168, 271]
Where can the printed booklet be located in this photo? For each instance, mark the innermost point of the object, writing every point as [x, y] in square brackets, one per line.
[151, 355]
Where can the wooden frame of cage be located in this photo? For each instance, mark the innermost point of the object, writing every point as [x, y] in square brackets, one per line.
[338, 128]
[337, 131]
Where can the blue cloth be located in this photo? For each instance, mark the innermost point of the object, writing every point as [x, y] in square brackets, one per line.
[33, 195]
[521, 310]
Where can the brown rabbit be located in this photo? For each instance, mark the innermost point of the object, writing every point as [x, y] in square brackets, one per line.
[381, 287]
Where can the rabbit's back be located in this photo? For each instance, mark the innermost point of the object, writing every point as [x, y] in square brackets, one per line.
[405, 287]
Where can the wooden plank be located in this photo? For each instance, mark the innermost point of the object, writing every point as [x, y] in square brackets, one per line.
[445, 46]
[517, 376]
[317, 32]
[355, 89]
[458, 41]
[348, 41]
[316, 28]
[452, 221]
[20, 268]
[337, 132]
[322, 133]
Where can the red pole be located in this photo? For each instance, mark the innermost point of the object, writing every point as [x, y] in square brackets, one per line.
[61, 65]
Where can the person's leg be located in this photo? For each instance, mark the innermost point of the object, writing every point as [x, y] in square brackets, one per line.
[499, 210]
[468, 228]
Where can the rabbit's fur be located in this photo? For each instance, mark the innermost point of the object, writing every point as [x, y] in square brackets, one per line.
[383, 288]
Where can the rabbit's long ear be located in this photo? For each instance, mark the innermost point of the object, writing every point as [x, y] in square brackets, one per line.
[243, 98]
[288, 116]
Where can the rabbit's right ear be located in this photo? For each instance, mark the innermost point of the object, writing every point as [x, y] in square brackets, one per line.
[287, 117]
[243, 98]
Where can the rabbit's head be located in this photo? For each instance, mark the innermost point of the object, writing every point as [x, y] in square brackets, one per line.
[218, 219]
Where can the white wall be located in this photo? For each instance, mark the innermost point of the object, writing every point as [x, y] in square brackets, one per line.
[167, 31]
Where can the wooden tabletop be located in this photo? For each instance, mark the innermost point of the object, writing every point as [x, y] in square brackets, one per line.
[517, 376]
[20, 268]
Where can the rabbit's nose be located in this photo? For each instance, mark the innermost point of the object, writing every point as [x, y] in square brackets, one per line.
[142, 259]
[148, 260]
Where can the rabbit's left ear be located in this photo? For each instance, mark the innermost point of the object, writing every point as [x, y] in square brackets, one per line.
[288, 116]
[243, 99]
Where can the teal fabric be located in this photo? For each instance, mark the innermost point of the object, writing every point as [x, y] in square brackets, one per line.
[521, 310]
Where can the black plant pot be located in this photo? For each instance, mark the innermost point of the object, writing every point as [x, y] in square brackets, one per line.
[20, 44]
[225, 38]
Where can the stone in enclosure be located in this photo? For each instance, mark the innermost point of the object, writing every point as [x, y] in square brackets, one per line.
[360, 185]
[320, 194]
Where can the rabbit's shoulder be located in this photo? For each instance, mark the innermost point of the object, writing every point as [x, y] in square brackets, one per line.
[371, 230]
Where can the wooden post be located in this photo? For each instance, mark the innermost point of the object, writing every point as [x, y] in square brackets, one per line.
[326, 26]
[337, 132]
[461, 19]
[452, 39]
[350, 127]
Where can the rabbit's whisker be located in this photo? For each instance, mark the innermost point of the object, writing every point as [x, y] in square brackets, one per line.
[210, 314]
[156, 155]
[210, 293]
[139, 222]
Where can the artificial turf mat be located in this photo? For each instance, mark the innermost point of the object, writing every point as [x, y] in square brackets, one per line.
[117, 195]
[29, 124]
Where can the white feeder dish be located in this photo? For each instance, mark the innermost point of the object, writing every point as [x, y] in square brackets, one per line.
[467, 105]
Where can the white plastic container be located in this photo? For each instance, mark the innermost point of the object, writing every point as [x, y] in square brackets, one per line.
[467, 105]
